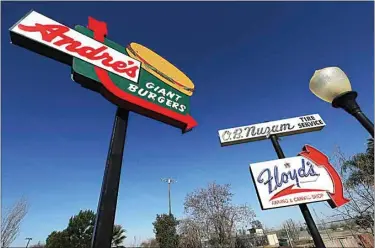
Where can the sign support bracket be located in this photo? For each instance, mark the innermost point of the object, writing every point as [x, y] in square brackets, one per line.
[105, 216]
[303, 207]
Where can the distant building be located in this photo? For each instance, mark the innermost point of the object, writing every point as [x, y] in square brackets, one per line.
[272, 239]
[256, 231]
[304, 235]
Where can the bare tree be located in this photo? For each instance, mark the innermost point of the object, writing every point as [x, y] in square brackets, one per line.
[292, 228]
[357, 175]
[151, 243]
[190, 233]
[212, 210]
[11, 222]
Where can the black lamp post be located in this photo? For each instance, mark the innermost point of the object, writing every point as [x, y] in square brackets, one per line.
[332, 85]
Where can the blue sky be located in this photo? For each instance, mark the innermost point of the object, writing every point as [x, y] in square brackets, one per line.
[250, 62]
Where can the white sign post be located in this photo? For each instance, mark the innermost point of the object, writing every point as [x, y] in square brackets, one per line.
[302, 124]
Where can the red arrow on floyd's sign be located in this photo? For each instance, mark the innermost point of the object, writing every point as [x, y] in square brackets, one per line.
[320, 159]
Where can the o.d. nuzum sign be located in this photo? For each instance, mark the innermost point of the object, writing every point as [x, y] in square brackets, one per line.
[302, 124]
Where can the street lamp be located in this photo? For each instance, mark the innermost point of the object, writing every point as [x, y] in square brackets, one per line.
[28, 241]
[332, 85]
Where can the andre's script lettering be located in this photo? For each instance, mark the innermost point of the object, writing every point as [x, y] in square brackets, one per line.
[276, 180]
[57, 35]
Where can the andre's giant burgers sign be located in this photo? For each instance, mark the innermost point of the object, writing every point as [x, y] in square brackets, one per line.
[132, 77]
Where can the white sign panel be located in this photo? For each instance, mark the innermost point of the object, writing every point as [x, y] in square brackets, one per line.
[44, 30]
[302, 124]
[291, 181]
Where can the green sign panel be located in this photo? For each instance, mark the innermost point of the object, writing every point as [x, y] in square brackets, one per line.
[149, 87]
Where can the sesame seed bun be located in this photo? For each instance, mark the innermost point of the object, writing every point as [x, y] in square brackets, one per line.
[161, 68]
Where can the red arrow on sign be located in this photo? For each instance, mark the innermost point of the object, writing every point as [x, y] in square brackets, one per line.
[100, 31]
[320, 159]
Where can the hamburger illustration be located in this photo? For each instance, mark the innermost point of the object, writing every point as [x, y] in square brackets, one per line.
[161, 68]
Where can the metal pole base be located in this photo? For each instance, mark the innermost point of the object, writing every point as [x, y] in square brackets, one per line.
[105, 216]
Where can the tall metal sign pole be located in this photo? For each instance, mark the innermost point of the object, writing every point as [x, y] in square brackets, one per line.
[318, 241]
[290, 181]
[106, 212]
[169, 181]
[134, 78]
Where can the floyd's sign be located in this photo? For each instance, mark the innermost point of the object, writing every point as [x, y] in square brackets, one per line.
[134, 77]
[302, 124]
[306, 178]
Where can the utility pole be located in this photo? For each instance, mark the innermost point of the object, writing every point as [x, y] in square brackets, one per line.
[169, 181]
[28, 241]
